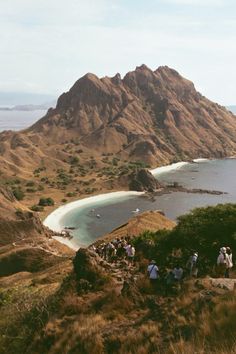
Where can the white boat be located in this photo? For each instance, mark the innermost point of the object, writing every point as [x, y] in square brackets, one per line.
[136, 211]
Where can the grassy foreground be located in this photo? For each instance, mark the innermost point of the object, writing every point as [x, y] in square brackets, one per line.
[98, 307]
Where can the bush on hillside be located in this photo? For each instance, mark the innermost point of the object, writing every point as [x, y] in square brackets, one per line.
[18, 193]
[46, 201]
[37, 208]
[74, 160]
[30, 184]
[203, 229]
[31, 190]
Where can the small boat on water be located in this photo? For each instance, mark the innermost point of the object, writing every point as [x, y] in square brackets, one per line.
[136, 211]
[69, 228]
[98, 216]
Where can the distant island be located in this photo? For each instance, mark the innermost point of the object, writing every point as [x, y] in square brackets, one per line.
[30, 107]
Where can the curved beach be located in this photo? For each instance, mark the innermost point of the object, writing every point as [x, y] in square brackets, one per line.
[54, 220]
[168, 168]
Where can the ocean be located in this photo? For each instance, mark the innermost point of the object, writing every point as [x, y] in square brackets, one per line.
[208, 174]
[18, 120]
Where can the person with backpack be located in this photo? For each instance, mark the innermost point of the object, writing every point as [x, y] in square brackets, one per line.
[153, 273]
[223, 262]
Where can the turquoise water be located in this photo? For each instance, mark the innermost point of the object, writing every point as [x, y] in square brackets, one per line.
[81, 218]
[214, 175]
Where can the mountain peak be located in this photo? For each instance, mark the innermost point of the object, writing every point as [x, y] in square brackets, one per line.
[167, 71]
[149, 116]
[142, 67]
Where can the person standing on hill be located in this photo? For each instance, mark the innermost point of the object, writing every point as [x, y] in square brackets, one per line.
[178, 273]
[192, 264]
[223, 262]
[153, 272]
[229, 264]
[130, 251]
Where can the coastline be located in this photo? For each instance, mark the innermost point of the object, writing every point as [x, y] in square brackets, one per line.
[53, 220]
[168, 168]
[67, 242]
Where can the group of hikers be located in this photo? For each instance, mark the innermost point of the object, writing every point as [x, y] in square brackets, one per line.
[173, 277]
[116, 249]
[122, 248]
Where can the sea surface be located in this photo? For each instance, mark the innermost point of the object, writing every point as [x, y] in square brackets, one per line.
[18, 120]
[211, 174]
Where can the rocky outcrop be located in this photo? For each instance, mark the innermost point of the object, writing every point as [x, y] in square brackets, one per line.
[89, 274]
[223, 283]
[143, 180]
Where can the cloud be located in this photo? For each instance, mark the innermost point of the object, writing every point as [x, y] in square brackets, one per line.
[197, 2]
[48, 44]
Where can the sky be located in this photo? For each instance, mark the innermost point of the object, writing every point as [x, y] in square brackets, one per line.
[46, 45]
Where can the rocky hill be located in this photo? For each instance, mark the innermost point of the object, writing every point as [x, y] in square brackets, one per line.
[149, 115]
[152, 116]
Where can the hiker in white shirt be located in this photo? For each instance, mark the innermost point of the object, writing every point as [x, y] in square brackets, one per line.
[223, 262]
[130, 251]
[178, 273]
[192, 264]
[153, 272]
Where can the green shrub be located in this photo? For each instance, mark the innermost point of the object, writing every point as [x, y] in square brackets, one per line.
[90, 190]
[71, 194]
[115, 161]
[18, 194]
[31, 190]
[74, 160]
[46, 201]
[30, 184]
[37, 208]
[19, 212]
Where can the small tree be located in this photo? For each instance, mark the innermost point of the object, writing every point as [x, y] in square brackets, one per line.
[18, 193]
[46, 201]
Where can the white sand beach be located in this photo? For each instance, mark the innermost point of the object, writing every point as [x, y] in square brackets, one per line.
[54, 220]
[167, 168]
[202, 159]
